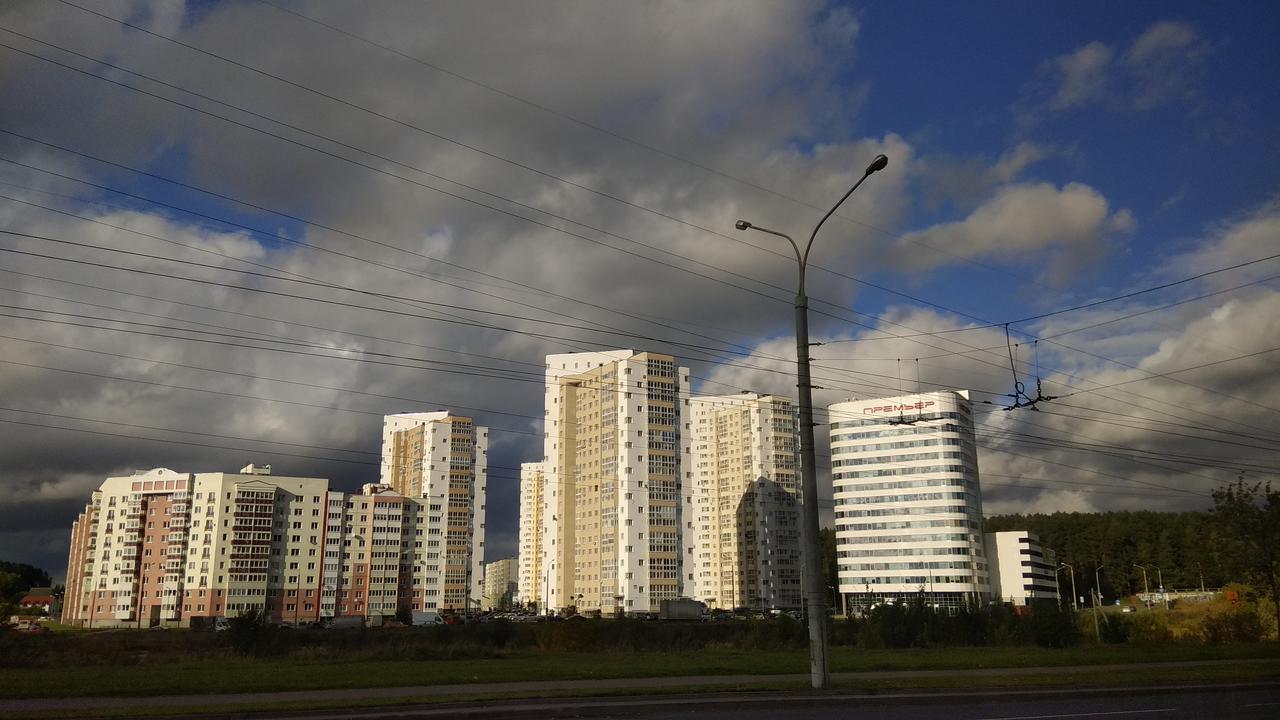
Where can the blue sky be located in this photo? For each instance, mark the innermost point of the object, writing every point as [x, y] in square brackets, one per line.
[954, 78]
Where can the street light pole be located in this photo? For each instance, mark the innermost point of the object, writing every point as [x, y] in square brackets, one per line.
[1163, 595]
[814, 596]
[1075, 599]
[1146, 589]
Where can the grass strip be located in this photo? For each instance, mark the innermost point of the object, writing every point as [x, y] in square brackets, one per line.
[249, 676]
[1261, 671]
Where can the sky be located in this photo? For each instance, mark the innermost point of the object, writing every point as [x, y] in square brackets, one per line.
[243, 231]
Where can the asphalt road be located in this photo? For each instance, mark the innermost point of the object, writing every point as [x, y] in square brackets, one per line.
[1198, 702]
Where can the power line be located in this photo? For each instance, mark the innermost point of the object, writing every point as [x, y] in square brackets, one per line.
[481, 151]
[400, 177]
[184, 278]
[339, 100]
[299, 219]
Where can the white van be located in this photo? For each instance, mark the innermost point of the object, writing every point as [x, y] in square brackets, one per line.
[427, 618]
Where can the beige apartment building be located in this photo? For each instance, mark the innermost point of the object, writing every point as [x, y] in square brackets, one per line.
[443, 459]
[742, 538]
[160, 547]
[530, 580]
[500, 582]
[612, 474]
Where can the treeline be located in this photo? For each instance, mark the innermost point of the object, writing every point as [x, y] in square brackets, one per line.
[16, 579]
[1186, 546]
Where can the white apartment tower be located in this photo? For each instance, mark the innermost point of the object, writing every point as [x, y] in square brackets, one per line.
[742, 536]
[533, 489]
[443, 459]
[908, 503]
[614, 464]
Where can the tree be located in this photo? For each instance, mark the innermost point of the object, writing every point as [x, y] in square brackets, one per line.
[1248, 518]
[17, 578]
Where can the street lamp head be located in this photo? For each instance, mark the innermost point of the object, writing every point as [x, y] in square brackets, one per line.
[878, 164]
[742, 225]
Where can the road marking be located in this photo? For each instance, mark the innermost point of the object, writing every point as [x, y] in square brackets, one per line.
[1085, 714]
[1262, 704]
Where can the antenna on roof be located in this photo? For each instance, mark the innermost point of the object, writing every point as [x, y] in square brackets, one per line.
[902, 418]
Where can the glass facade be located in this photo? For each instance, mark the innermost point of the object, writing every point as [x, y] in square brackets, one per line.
[908, 507]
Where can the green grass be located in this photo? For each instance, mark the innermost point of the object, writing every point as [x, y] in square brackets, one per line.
[244, 675]
[1260, 671]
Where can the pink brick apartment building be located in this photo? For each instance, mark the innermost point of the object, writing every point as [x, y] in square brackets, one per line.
[166, 548]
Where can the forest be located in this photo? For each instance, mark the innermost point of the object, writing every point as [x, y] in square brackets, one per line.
[1187, 547]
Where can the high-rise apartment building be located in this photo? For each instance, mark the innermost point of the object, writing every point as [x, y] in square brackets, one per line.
[160, 546]
[613, 463]
[166, 548]
[1022, 570]
[908, 503]
[742, 531]
[531, 581]
[443, 458]
[500, 584]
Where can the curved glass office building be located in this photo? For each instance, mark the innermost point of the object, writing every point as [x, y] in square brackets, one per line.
[908, 504]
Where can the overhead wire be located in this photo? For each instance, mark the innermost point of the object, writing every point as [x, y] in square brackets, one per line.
[1098, 388]
[948, 309]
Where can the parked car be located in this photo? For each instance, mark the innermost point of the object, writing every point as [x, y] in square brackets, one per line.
[427, 618]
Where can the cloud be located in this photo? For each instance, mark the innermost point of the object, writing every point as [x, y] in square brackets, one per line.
[1018, 224]
[688, 79]
[1231, 243]
[967, 181]
[1163, 65]
[1082, 76]
[1156, 444]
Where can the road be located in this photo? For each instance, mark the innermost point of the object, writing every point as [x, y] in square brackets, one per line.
[1227, 702]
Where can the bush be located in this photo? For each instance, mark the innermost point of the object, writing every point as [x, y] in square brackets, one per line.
[916, 624]
[1237, 625]
[1150, 627]
[1052, 627]
[404, 615]
[252, 634]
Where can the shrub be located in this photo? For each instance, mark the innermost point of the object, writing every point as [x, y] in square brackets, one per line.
[1236, 625]
[1047, 625]
[252, 634]
[404, 615]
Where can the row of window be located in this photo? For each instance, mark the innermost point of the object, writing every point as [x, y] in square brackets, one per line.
[881, 459]
[888, 512]
[890, 472]
[884, 419]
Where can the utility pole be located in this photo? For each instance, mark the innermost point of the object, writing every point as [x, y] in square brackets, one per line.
[812, 590]
[1097, 590]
